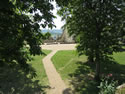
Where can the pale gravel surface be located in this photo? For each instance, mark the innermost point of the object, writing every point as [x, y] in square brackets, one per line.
[56, 83]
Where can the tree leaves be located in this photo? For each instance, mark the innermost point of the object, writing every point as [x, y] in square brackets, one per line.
[18, 29]
[98, 25]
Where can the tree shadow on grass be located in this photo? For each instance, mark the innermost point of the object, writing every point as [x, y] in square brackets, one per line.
[112, 67]
[123, 48]
[83, 81]
[13, 80]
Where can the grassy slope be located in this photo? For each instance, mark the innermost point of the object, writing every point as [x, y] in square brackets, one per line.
[65, 62]
[38, 66]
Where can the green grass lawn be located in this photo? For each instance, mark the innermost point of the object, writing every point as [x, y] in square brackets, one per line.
[39, 68]
[76, 71]
[120, 57]
[65, 62]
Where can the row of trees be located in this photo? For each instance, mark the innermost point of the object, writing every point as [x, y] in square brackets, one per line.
[97, 25]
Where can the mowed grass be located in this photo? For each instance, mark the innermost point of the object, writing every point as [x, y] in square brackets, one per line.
[65, 62]
[120, 57]
[37, 64]
[76, 71]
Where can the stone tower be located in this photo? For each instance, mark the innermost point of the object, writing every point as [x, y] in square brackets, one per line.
[66, 38]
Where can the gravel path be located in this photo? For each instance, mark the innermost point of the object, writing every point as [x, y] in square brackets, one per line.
[56, 83]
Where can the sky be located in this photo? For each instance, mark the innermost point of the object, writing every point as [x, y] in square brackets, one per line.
[57, 20]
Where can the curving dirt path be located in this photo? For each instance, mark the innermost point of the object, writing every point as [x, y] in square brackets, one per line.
[56, 83]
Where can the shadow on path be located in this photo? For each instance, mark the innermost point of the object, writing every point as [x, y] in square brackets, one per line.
[67, 91]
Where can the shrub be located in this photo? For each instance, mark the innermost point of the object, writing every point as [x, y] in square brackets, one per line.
[107, 85]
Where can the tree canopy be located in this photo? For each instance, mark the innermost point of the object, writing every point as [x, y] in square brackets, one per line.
[19, 26]
[20, 21]
[97, 25]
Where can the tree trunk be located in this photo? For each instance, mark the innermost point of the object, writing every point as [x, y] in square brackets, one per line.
[91, 56]
[98, 37]
[90, 59]
[97, 58]
[97, 55]
[97, 74]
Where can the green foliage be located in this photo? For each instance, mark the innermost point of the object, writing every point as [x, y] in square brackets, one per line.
[62, 3]
[20, 37]
[19, 27]
[47, 35]
[107, 87]
[98, 25]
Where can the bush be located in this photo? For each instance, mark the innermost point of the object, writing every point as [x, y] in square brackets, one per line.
[107, 85]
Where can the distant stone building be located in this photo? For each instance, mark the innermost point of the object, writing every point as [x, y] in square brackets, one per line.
[66, 38]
